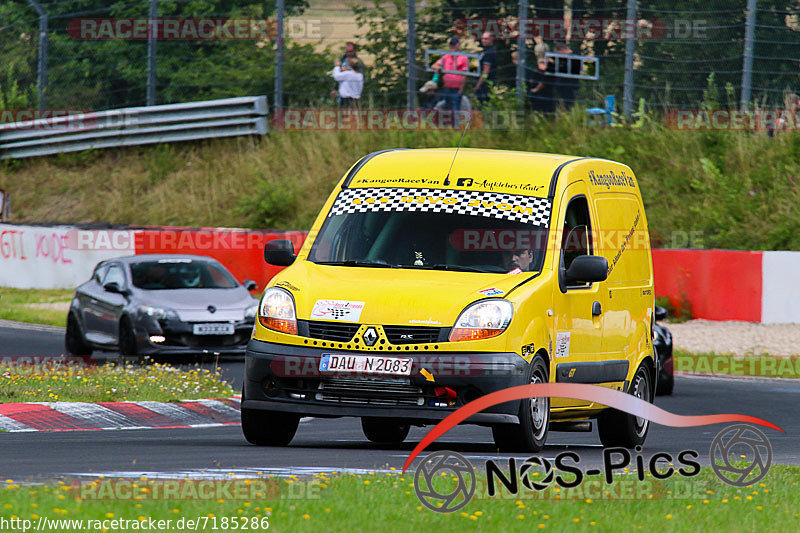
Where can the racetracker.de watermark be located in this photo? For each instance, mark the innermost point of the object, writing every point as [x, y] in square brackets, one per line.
[395, 119]
[733, 120]
[47, 119]
[196, 489]
[193, 29]
[584, 29]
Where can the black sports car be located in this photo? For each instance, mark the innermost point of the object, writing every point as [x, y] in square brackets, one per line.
[161, 304]
[662, 341]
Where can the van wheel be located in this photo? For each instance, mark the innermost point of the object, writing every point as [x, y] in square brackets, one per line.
[383, 431]
[74, 341]
[534, 417]
[617, 428]
[269, 428]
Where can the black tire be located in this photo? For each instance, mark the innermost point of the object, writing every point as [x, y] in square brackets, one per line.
[384, 431]
[74, 341]
[665, 385]
[269, 428]
[534, 415]
[619, 429]
[128, 347]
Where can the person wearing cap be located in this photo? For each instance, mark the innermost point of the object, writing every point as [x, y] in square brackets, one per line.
[453, 83]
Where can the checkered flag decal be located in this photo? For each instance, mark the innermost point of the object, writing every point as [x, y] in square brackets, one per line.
[526, 209]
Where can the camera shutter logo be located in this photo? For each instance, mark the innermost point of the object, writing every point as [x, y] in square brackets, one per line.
[430, 470]
[530, 464]
[727, 450]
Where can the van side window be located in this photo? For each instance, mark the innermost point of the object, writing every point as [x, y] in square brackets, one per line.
[99, 272]
[576, 237]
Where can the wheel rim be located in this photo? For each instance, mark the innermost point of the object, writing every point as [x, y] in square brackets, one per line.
[540, 410]
[641, 391]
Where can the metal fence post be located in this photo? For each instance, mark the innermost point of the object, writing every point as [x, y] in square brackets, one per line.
[411, 48]
[279, 49]
[152, 40]
[630, 49]
[747, 65]
[41, 67]
[521, 53]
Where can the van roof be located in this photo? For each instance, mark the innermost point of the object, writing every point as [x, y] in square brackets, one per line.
[502, 171]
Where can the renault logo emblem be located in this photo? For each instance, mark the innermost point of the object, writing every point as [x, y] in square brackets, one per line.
[370, 336]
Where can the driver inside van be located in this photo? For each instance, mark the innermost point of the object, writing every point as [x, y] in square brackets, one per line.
[519, 260]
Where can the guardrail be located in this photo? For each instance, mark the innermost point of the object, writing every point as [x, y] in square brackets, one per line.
[135, 126]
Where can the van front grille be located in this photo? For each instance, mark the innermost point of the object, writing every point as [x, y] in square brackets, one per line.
[332, 331]
[391, 392]
[411, 334]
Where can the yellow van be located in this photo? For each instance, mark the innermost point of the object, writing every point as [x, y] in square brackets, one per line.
[433, 277]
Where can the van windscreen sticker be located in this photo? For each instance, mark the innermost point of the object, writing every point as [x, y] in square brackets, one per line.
[526, 209]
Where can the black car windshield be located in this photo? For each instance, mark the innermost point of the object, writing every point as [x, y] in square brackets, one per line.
[167, 274]
[474, 232]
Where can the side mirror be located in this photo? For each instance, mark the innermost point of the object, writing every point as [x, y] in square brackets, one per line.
[661, 313]
[249, 284]
[279, 252]
[114, 287]
[587, 268]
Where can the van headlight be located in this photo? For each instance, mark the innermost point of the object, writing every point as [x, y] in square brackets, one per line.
[276, 311]
[482, 320]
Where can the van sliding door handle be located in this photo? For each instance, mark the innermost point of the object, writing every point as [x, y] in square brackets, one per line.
[596, 309]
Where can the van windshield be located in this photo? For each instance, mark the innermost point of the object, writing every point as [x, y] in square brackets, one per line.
[469, 233]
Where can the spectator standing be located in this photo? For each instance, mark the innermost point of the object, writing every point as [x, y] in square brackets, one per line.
[540, 90]
[453, 83]
[567, 88]
[349, 54]
[351, 82]
[487, 67]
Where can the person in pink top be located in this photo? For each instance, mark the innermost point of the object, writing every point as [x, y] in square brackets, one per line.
[453, 83]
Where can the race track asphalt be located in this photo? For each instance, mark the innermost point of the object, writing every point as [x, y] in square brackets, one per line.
[336, 444]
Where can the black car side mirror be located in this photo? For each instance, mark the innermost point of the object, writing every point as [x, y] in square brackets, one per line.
[279, 252]
[587, 268]
[661, 313]
[249, 284]
[114, 287]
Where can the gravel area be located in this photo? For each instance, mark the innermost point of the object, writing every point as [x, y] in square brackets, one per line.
[738, 338]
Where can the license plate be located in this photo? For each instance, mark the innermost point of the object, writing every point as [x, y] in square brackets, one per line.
[212, 329]
[365, 364]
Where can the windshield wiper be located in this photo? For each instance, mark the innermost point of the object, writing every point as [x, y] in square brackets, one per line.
[356, 263]
[456, 268]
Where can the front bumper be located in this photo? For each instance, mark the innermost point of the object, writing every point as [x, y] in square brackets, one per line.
[286, 378]
[180, 339]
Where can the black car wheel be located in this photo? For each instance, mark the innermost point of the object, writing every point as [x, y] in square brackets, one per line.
[74, 341]
[534, 417]
[665, 384]
[383, 431]
[128, 348]
[618, 428]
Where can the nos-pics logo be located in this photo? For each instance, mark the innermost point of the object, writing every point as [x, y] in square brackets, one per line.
[445, 481]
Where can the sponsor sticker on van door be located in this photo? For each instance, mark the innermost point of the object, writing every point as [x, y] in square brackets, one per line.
[562, 344]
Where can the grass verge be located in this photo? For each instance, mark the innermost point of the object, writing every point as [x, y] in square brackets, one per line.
[382, 502]
[39, 306]
[52, 381]
[764, 365]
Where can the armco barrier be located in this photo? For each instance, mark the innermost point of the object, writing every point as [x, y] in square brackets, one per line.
[135, 126]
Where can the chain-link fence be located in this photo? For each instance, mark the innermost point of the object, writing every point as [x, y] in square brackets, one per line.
[89, 54]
